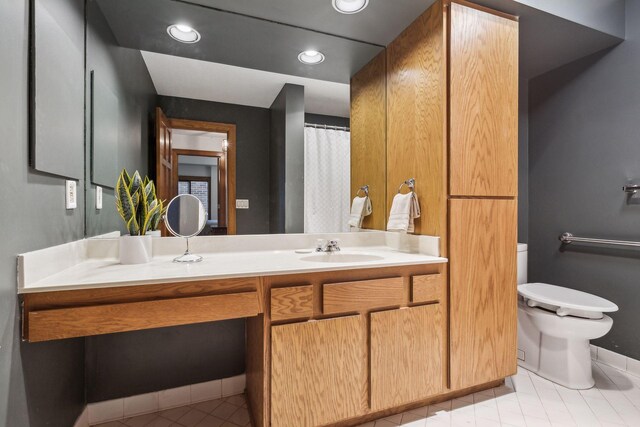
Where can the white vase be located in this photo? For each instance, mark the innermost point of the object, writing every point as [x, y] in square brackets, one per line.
[155, 233]
[135, 249]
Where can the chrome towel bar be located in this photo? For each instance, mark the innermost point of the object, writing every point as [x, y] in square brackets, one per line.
[567, 238]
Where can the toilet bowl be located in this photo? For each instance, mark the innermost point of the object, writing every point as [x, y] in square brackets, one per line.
[555, 325]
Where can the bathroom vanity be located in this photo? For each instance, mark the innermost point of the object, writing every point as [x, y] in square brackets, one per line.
[332, 338]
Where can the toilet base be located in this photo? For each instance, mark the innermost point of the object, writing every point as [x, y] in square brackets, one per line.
[557, 348]
[566, 362]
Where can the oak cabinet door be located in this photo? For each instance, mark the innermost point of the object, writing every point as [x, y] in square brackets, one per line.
[318, 371]
[483, 103]
[406, 355]
[483, 290]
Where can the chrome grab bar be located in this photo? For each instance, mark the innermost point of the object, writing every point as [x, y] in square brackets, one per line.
[567, 238]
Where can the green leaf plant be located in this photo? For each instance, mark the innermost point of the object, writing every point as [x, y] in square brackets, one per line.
[138, 204]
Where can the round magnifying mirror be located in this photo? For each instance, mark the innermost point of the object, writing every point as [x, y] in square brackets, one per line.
[186, 218]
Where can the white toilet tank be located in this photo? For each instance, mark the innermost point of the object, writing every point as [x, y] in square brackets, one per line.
[522, 263]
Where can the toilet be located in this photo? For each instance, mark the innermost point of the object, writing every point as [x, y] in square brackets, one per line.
[555, 325]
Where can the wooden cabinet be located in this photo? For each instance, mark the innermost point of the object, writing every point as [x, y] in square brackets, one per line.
[406, 355]
[483, 103]
[483, 293]
[362, 295]
[318, 371]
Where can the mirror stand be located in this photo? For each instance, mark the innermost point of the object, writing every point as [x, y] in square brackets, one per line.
[188, 257]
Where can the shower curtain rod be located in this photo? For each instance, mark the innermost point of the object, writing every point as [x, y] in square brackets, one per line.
[313, 125]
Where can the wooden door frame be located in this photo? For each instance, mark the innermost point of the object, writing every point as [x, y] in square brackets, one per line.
[229, 159]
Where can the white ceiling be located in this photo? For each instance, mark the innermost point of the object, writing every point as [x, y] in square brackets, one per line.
[209, 81]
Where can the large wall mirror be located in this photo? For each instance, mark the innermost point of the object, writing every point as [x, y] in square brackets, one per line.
[244, 104]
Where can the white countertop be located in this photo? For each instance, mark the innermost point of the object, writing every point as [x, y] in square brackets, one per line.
[93, 263]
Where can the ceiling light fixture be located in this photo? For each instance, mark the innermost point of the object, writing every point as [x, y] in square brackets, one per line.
[349, 7]
[183, 33]
[311, 57]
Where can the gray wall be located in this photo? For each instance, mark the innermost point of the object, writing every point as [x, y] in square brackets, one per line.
[120, 365]
[286, 161]
[583, 146]
[321, 119]
[40, 384]
[252, 152]
[126, 74]
[523, 161]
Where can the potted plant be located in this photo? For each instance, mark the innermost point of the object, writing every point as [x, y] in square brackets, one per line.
[140, 210]
[154, 227]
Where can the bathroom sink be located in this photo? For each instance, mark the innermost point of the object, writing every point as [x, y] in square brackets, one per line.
[339, 257]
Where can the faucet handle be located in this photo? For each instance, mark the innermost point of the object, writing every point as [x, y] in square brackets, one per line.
[320, 245]
[335, 244]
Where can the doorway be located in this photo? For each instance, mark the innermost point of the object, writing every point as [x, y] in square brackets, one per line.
[198, 157]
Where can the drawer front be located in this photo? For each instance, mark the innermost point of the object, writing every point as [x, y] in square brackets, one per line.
[362, 295]
[293, 302]
[428, 288]
[132, 316]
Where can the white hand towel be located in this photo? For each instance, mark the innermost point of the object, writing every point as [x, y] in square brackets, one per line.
[360, 207]
[404, 210]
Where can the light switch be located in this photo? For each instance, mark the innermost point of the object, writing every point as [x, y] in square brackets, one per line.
[71, 194]
[242, 204]
[98, 197]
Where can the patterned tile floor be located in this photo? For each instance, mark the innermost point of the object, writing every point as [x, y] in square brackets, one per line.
[226, 412]
[524, 400]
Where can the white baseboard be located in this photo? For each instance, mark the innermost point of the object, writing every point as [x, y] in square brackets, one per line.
[615, 360]
[119, 409]
[83, 419]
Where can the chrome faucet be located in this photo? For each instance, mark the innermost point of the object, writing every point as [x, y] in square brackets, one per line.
[328, 246]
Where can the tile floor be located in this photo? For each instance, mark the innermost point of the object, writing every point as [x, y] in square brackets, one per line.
[524, 400]
[226, 412]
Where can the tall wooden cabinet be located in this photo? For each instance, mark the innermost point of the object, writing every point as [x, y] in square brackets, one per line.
[452, 124]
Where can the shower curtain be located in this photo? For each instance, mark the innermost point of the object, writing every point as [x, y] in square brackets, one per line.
[327, 178]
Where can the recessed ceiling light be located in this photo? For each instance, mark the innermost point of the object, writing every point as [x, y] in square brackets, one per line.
[311, 57]
[349, 6]
[183, 33]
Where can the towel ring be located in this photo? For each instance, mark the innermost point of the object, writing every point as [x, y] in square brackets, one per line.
[364, 189]
[411, 183]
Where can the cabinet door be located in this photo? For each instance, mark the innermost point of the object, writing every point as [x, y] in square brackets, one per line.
[318, 371]
[483, 103]
[482, 268]
[406, 355]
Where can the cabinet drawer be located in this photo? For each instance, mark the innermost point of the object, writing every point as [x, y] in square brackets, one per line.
[132, 316]
[293, 302]
[427, 288]
[362, 295]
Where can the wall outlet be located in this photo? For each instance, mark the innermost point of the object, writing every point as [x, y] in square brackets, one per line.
[71, 194]
[242, 204]
[98, 197]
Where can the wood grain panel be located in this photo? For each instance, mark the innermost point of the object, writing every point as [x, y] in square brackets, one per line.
[482, 268]
[416, 102]
[369, 138]
[318, 371]
[109, 318]
[406, 355]
[293, 302]
[483, 103]
[117, 294]
[362, 295]
[428, 288]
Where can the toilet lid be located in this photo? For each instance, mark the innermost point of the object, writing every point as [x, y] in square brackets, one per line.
[565, 297]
